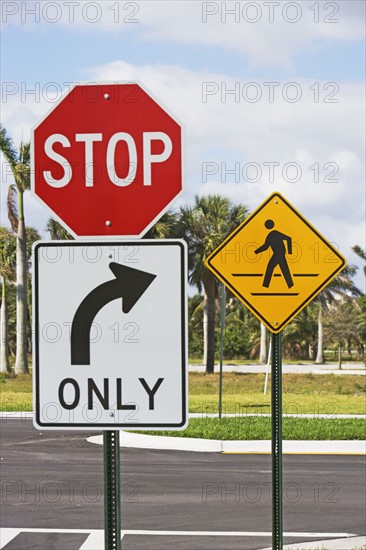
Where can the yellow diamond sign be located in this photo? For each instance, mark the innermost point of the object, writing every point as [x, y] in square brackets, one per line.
[276, 262]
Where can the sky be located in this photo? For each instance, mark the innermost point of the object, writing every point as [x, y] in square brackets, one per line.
[271, 94]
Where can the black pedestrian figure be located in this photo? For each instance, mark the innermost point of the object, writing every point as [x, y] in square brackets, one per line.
[275, 240]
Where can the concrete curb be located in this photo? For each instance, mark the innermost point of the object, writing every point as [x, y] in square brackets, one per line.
[142, 441]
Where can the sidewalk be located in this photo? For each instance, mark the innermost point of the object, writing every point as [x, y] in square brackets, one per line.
[311, 368]
[142, 441]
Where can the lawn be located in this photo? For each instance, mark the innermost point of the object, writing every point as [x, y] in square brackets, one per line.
[242, 393]
[16, 392]
[255, 427]
[302, 393]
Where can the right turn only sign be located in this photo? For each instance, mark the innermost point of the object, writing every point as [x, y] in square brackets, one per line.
[110, 334]
[276, 262]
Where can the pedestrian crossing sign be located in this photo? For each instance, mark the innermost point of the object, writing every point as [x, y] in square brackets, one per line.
[276, 262]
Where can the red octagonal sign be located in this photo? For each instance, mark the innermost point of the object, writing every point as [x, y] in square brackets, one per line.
[107, 160]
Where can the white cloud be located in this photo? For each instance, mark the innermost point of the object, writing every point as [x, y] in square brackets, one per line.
[322, 141]
[269, 34]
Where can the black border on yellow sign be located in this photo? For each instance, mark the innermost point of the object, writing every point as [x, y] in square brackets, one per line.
[239, 295]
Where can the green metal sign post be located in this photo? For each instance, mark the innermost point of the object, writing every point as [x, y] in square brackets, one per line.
[277, 490]
[112, 495]
[222, 291]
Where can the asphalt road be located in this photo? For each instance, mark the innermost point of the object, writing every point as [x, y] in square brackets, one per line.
[54, 480]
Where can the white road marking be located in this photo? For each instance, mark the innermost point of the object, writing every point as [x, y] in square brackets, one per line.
[94, 541]
[335, 544]
[6, 535]
[233, 534]
[96, 536]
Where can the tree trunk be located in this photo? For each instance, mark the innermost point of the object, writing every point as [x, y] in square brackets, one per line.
[4, 334]
[340, 356]
[21, 360]
[349, 348]
[310, 351]
[320, 354]
[209, 323]
[263, 346]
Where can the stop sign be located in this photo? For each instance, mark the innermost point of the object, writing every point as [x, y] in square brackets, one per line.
[107, 160]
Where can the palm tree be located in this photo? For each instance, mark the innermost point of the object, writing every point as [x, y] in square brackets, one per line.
[204, 226]
[19, 162]
[361, 254]
[340, 286]
[7, 271]
[195, 314]
[57, 231]
[242, 332]
[263, 345]
[32, 237]
[300, 336]
[361, 325]
[164, 228]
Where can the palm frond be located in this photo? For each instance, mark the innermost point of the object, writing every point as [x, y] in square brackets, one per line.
[22, 169]
[57, 231]
[7, 148]
[24, 153]
[359, 251]
[204, 225]
[164, 228]
[7, 253]
[19, 161]
[13, 207]
[361, 254]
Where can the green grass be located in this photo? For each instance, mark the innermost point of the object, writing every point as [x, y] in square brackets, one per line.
[302, 393]
[242, 393]
[16, 392]
[260, 428]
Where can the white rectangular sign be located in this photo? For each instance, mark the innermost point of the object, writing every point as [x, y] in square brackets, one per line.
[110, 334]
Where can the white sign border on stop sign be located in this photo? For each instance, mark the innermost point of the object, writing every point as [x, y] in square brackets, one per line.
[183, 167]
[68, 265]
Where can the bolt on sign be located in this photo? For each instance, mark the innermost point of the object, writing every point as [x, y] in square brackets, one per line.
[276, 262]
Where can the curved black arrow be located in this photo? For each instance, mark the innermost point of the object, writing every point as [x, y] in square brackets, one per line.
[129, 284]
